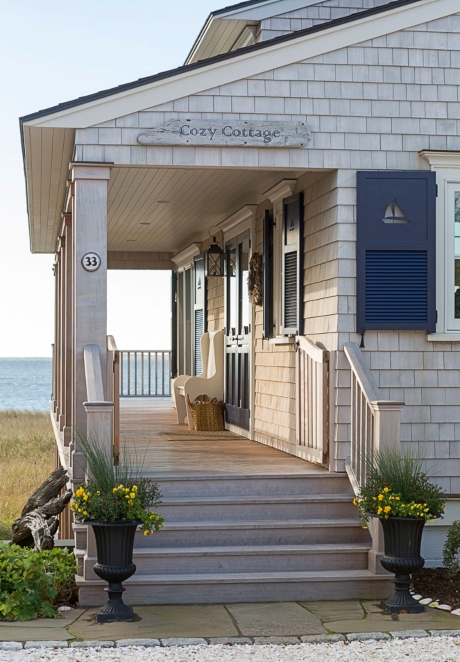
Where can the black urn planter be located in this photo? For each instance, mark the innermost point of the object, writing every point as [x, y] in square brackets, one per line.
[403, 538]
[114, 543]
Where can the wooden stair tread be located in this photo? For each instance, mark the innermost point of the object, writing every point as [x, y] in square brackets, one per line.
[236, 500]
[246, 577]
[263, 524]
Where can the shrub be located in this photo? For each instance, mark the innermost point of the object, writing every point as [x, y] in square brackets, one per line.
[31, 581]
[451, 550]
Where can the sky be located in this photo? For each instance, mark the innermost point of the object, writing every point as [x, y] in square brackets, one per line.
[53, 51]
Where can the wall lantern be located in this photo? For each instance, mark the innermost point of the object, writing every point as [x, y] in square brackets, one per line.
[214, 260]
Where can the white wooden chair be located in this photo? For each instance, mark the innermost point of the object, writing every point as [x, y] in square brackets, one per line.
[209, 382]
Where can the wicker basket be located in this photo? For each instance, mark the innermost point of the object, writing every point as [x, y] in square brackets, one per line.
[207, 415]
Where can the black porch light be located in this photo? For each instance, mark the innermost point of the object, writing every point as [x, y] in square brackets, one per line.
[214, 260]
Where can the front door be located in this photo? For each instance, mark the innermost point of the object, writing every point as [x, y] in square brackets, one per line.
[237, 331]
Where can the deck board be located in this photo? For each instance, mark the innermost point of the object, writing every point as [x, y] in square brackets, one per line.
[142, 420]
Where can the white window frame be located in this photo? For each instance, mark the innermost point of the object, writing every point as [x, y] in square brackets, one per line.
[447, 168]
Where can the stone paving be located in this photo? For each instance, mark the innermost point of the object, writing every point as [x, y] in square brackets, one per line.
[261, 623]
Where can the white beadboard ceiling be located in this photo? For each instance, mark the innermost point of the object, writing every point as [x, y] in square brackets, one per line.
[166, 209]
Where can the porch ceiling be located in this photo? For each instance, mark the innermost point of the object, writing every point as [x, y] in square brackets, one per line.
[166, 209]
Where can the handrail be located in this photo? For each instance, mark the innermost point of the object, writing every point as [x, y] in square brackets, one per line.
[93, 374]
[375, 424]
[363, 374]
[99, 410]
[113, 388]
[111, 344]
[312, 410]
[375, 421]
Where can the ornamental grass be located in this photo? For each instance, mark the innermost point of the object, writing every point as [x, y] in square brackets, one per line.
[396, 486]
[116, 493]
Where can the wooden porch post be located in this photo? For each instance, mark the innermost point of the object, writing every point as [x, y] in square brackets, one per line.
[61, 367]
[89, 236]
[67, 430]
[57, 338]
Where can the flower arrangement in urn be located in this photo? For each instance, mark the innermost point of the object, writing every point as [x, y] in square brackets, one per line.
[399, 493]
[115, 501]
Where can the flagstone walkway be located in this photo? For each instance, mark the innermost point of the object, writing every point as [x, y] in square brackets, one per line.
[276, 622]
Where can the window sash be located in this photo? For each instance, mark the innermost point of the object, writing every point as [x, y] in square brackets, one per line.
[452, 323]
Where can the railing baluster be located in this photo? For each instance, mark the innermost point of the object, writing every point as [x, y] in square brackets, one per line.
[134, 382]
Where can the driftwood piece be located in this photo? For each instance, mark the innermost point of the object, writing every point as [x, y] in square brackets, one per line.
[38, 522]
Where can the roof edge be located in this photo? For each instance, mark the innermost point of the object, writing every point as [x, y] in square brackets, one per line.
[216, 59]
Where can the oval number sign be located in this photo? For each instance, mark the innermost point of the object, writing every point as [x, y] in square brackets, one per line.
[91, 261]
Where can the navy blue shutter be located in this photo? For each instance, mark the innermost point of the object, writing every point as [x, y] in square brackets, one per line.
[396, 251]
[267, 275]
[292, 257]
[199, 313]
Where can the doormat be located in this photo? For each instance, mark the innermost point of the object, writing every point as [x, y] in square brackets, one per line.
[195, 435]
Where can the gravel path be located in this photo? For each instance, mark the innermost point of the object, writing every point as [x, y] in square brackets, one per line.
[441, 649]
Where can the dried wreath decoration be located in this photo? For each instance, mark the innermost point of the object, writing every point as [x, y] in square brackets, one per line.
[255, 285]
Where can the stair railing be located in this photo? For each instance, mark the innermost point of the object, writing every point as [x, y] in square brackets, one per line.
[375, 424]
[113, 389]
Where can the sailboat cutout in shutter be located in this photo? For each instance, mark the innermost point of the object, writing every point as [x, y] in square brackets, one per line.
[394, 214]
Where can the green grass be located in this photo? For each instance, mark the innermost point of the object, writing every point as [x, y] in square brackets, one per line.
[27, 452]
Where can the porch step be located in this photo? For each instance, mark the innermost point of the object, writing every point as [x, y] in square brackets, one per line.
[246, 558]
[243, 508]
[251, 485]
[255, 532]
[243, 587]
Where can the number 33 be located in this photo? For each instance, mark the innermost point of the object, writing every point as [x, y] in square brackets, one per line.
[91, 261]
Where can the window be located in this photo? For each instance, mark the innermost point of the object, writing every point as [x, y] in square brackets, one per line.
[446, 165]
[283, 253]
[452, 265]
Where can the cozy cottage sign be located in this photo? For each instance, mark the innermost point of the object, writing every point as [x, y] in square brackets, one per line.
[228, 133]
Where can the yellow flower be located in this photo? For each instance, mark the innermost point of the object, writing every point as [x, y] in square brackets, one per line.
[131, 503]
[385, 489]
[132, 495]
[85, 497]
[120, 487]
[84, 512]
[431, 520]
[79, 492]
[146, 533]
[134, 488]
[379, 510]
[380, 497]
[114, 490]
[397, 498]
[387, 509]
[126, 496]
[99, 493]
[374, 498]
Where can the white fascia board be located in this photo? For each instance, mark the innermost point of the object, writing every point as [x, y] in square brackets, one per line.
[248, 64]
[267, 9]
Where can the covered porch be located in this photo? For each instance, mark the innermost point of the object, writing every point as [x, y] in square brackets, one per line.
[142, 420]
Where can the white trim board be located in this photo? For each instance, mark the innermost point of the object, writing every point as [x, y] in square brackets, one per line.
[247, 64]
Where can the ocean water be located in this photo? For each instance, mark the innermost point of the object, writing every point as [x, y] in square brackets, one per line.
[25, 383]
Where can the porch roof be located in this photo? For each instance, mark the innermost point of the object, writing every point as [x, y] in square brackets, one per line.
[48, 136]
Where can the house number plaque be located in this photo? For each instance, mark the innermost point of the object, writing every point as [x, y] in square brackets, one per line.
[91, 261]
[228, 133]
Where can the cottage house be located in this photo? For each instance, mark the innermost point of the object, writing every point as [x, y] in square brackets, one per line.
[323, 137]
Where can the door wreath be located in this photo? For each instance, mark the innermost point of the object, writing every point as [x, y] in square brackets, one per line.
[255, 282]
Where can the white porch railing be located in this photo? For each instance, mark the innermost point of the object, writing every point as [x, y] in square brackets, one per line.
[375, 424]
[145, 373]
[312, 384]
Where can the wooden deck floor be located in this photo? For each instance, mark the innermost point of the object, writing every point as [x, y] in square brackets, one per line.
[142, 420]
